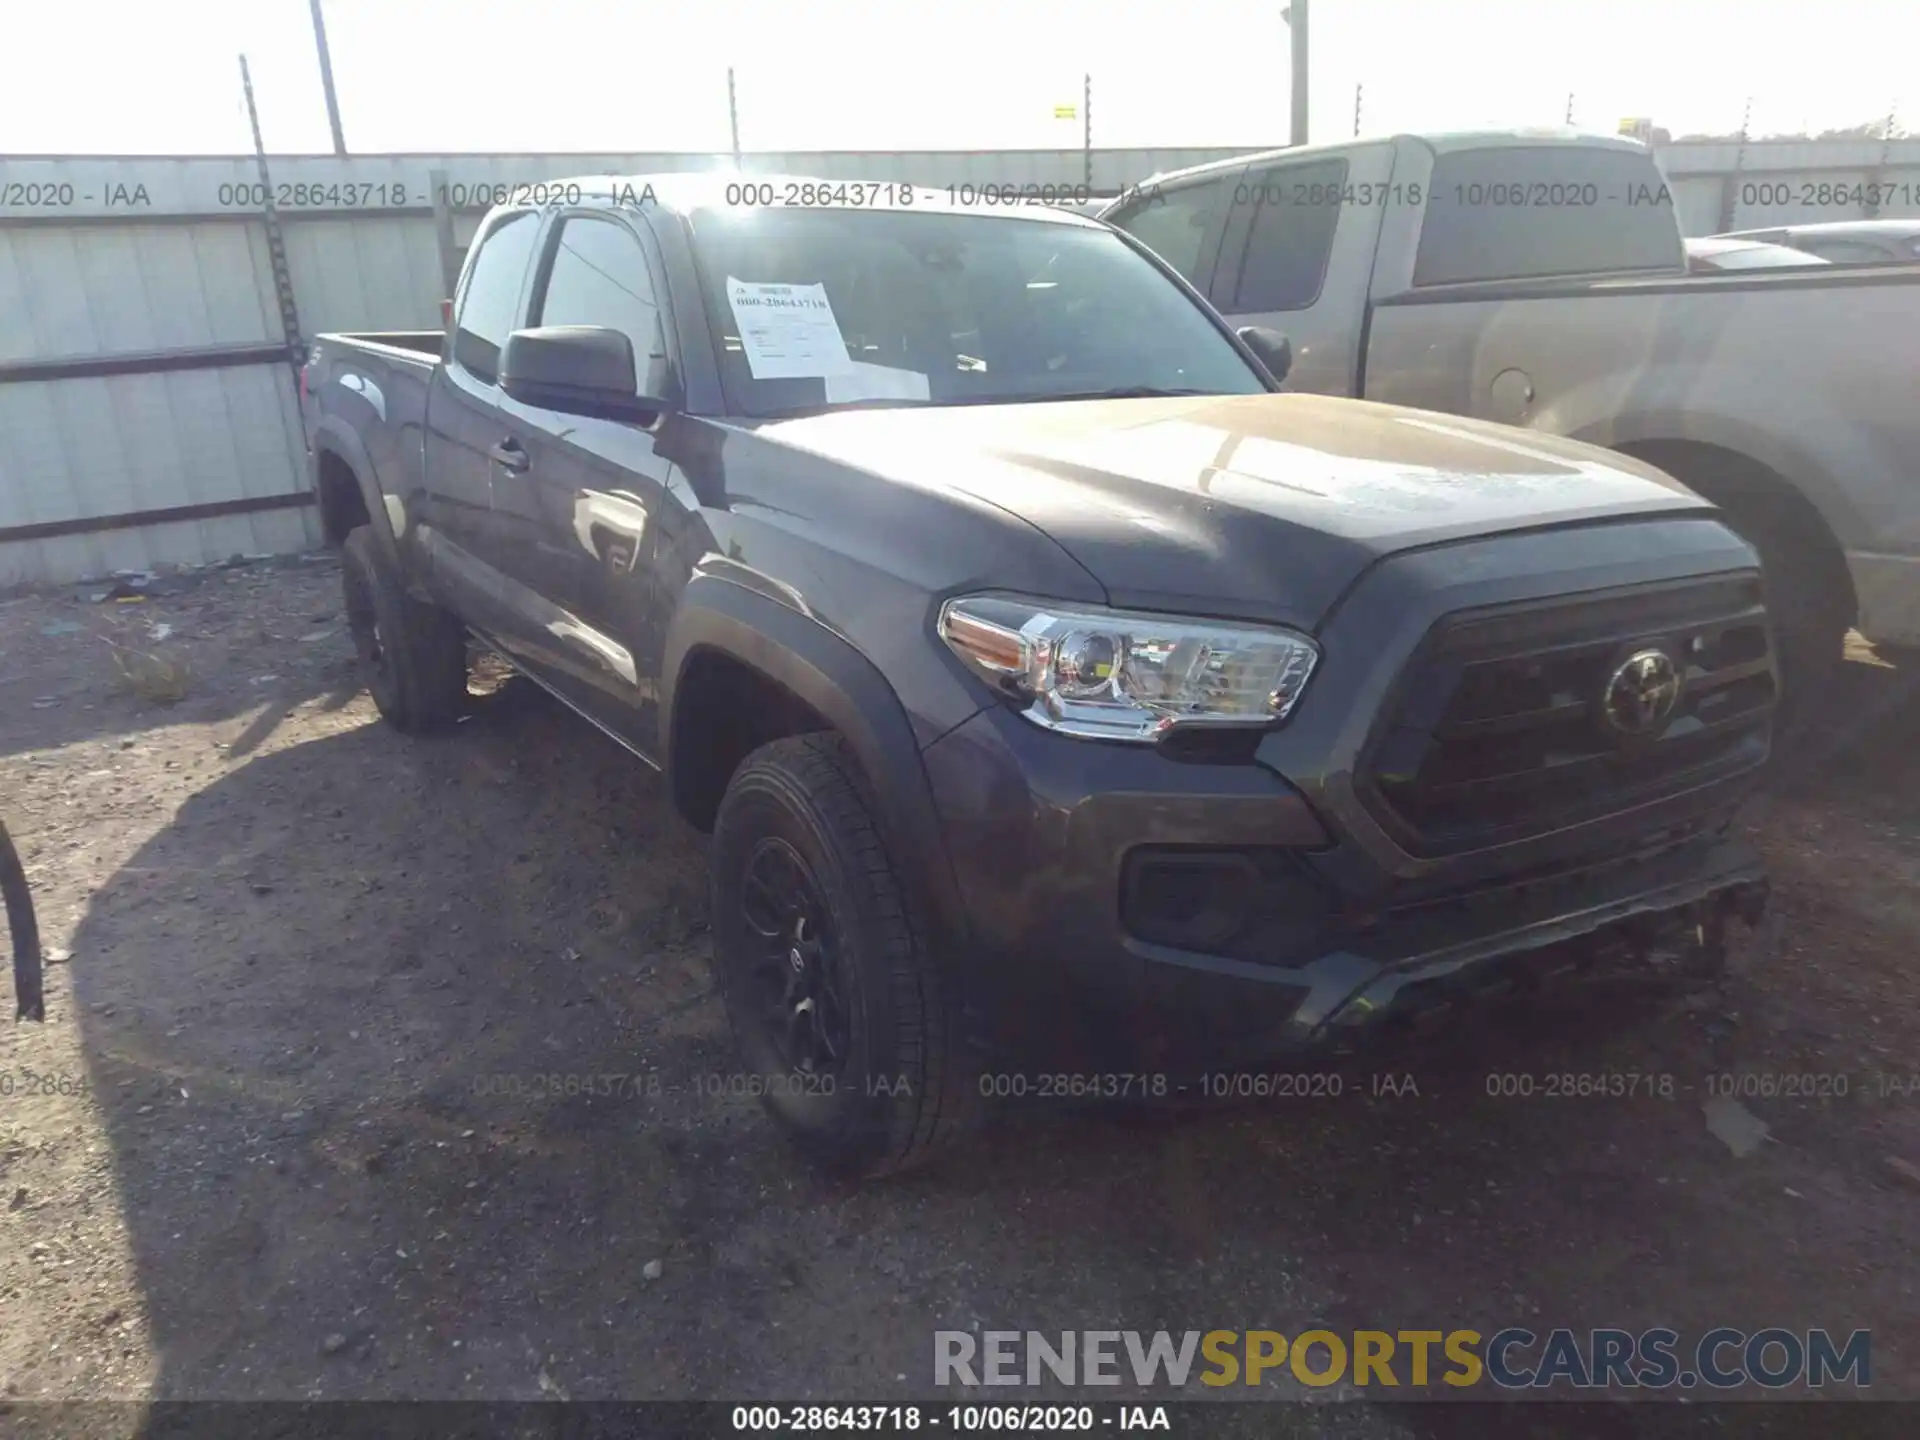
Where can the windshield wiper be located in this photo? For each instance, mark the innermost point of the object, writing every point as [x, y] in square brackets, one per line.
[1120, 392]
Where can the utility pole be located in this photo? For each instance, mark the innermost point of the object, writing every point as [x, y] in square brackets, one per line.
[1569, 107]
[733, 116]
[326, 77]
[1356, 111]
[1295, 15]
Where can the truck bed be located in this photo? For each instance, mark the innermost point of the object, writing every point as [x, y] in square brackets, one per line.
[367, 391]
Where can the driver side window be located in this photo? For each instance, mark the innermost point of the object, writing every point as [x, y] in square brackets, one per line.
[491, 298]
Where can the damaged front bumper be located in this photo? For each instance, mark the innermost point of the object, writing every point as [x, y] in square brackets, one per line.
[1442, 958]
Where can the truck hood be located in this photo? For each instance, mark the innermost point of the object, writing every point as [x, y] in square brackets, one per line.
[1261, 506]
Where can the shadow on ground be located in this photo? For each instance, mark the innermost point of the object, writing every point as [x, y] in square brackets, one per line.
[412, 1076]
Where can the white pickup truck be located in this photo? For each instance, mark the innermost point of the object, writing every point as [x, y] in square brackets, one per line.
[1539, 279]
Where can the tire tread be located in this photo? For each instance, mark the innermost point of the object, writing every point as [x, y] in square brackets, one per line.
[940, 1107]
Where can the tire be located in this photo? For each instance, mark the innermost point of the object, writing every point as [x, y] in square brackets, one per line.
[837, 1007]
[1807, 601]
[413, 656]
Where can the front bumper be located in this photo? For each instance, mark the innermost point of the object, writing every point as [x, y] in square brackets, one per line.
[1129, 905]
[1047, 835]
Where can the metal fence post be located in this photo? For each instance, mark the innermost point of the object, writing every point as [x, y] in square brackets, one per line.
[1086, 127]
[1876, 180]
[276, 244]
[443, 234]
[733, 116]
[1730, 186]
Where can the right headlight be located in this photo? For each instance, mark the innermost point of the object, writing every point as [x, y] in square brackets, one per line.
[1128, 675]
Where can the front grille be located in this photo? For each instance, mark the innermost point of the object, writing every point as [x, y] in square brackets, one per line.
[1497, 731]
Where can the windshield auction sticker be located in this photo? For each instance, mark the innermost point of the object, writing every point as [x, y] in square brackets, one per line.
[788, 331]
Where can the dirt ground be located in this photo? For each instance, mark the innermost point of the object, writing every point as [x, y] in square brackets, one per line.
[298, 1124]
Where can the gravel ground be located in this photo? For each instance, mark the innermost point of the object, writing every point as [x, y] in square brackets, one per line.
[299, 1126]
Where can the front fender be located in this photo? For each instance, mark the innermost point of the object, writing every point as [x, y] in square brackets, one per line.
[828, 673]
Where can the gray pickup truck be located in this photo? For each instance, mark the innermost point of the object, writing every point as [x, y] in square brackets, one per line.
[1539, 279]
[1055, 694]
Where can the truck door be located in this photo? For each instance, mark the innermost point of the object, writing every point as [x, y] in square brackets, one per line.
[1297, 257]
[471, 430]
[577, 520]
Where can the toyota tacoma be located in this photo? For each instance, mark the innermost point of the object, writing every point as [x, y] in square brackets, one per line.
[1046, 681]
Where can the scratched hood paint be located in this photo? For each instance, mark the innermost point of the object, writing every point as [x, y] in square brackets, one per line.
[1268, 505]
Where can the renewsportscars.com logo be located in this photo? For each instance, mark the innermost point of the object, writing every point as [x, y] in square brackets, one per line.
[1512, 1359]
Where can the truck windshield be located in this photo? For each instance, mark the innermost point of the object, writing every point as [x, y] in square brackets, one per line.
[815, 309]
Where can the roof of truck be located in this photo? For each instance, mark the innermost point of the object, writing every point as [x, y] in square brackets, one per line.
[681, 191]
[1439, 141]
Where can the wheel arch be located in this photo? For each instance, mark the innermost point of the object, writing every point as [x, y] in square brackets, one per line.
[829, 681]
[347, 488]
[1738, 482]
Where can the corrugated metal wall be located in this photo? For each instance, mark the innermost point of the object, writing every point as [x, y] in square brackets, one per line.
[143, 359]
[86, 446]
[143, 365]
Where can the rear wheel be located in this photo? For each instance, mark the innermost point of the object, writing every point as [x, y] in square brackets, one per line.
[413, 656]
[1807, 600]
[836, 1005]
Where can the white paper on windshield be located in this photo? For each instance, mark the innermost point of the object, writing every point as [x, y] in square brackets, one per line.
[788, 331]
[876, 382]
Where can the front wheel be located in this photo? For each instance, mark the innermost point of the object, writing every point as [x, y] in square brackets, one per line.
[837, 1008]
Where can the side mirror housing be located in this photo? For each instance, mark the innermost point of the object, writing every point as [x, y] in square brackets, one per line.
[1270, 348]
[582, 370]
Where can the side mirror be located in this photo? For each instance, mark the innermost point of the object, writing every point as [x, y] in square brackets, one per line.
[1270, 348]
[581, 370]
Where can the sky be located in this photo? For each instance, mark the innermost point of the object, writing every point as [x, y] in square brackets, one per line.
[108, 77]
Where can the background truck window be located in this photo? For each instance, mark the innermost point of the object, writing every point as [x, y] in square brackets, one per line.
[492, 295]
[1174, 223]
[1284, 263]
[1516, 213]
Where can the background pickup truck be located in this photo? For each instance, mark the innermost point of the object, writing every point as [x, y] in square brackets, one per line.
[1539, 279]
[1052, 691]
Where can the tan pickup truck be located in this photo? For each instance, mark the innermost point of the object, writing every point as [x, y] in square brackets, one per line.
[1540, 279]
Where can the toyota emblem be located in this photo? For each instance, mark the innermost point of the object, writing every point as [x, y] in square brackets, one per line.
[1641, 694]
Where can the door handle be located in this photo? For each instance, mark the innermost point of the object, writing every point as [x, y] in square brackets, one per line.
[509, 456]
